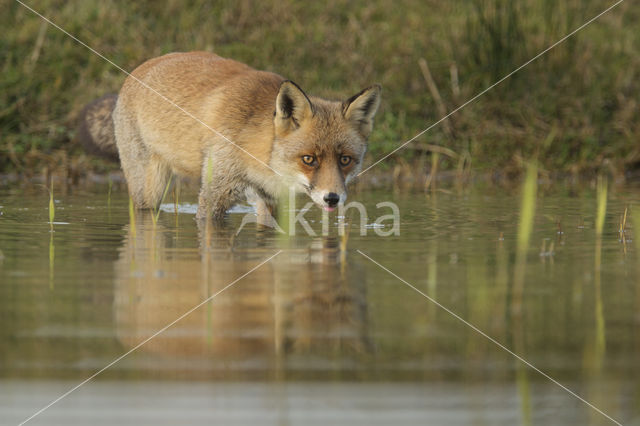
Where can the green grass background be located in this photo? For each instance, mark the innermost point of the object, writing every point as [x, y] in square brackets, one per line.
[575, 109]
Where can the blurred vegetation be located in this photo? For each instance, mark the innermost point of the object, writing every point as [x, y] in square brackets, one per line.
[575, 108]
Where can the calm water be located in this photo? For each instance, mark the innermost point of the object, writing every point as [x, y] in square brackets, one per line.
[319, 334]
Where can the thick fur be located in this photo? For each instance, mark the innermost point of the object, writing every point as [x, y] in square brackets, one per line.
[260, 112]
[95, 128]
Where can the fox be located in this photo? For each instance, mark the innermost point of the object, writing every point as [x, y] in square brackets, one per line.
[241, 131]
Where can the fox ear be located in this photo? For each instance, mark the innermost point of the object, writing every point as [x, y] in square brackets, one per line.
[292, 107]
[361, 108]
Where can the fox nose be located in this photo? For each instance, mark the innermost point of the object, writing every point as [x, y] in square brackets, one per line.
[331, 199]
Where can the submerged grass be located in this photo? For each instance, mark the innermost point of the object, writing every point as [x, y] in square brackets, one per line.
[585, 88]
[52, 257]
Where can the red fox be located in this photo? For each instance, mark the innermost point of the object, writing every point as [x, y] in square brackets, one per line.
[240, 130]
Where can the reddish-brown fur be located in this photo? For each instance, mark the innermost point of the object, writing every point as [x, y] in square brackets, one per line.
[239, 129]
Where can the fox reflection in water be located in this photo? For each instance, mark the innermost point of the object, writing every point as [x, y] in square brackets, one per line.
[304, 311]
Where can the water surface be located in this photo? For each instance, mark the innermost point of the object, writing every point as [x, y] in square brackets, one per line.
[319, 334]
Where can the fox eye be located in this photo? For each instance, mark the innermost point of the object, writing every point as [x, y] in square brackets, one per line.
[345, 160]
[308, 159]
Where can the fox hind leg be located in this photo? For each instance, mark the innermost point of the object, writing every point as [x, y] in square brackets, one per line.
[146, 176]
[156, 175]
[146, 173]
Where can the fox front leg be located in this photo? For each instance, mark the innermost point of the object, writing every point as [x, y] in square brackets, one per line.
[265, 209]
[216, 198]
[220, 189]
[265, 205]
[211, 205]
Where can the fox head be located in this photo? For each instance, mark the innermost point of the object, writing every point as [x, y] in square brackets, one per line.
[319, 145]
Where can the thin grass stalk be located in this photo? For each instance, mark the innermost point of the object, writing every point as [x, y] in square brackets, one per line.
[52, 208]
[176, 200]
[176, 196]
[132, 219]
[525, 228]
[286, 214]
[110, 183]
[527, 208]
[635, 217]
[343, 232]
[209, 180]
[600, 342]
[164, 195]
[601, 194]
[433, 175]
[52, 256]
[435, 94]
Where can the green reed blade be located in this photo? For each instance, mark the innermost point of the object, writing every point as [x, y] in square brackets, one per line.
[601, 191]
[164, 195]
[132, 218]
[52, 208]
[527, 207]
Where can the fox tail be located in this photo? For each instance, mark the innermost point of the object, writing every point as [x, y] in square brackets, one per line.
[95, 128]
